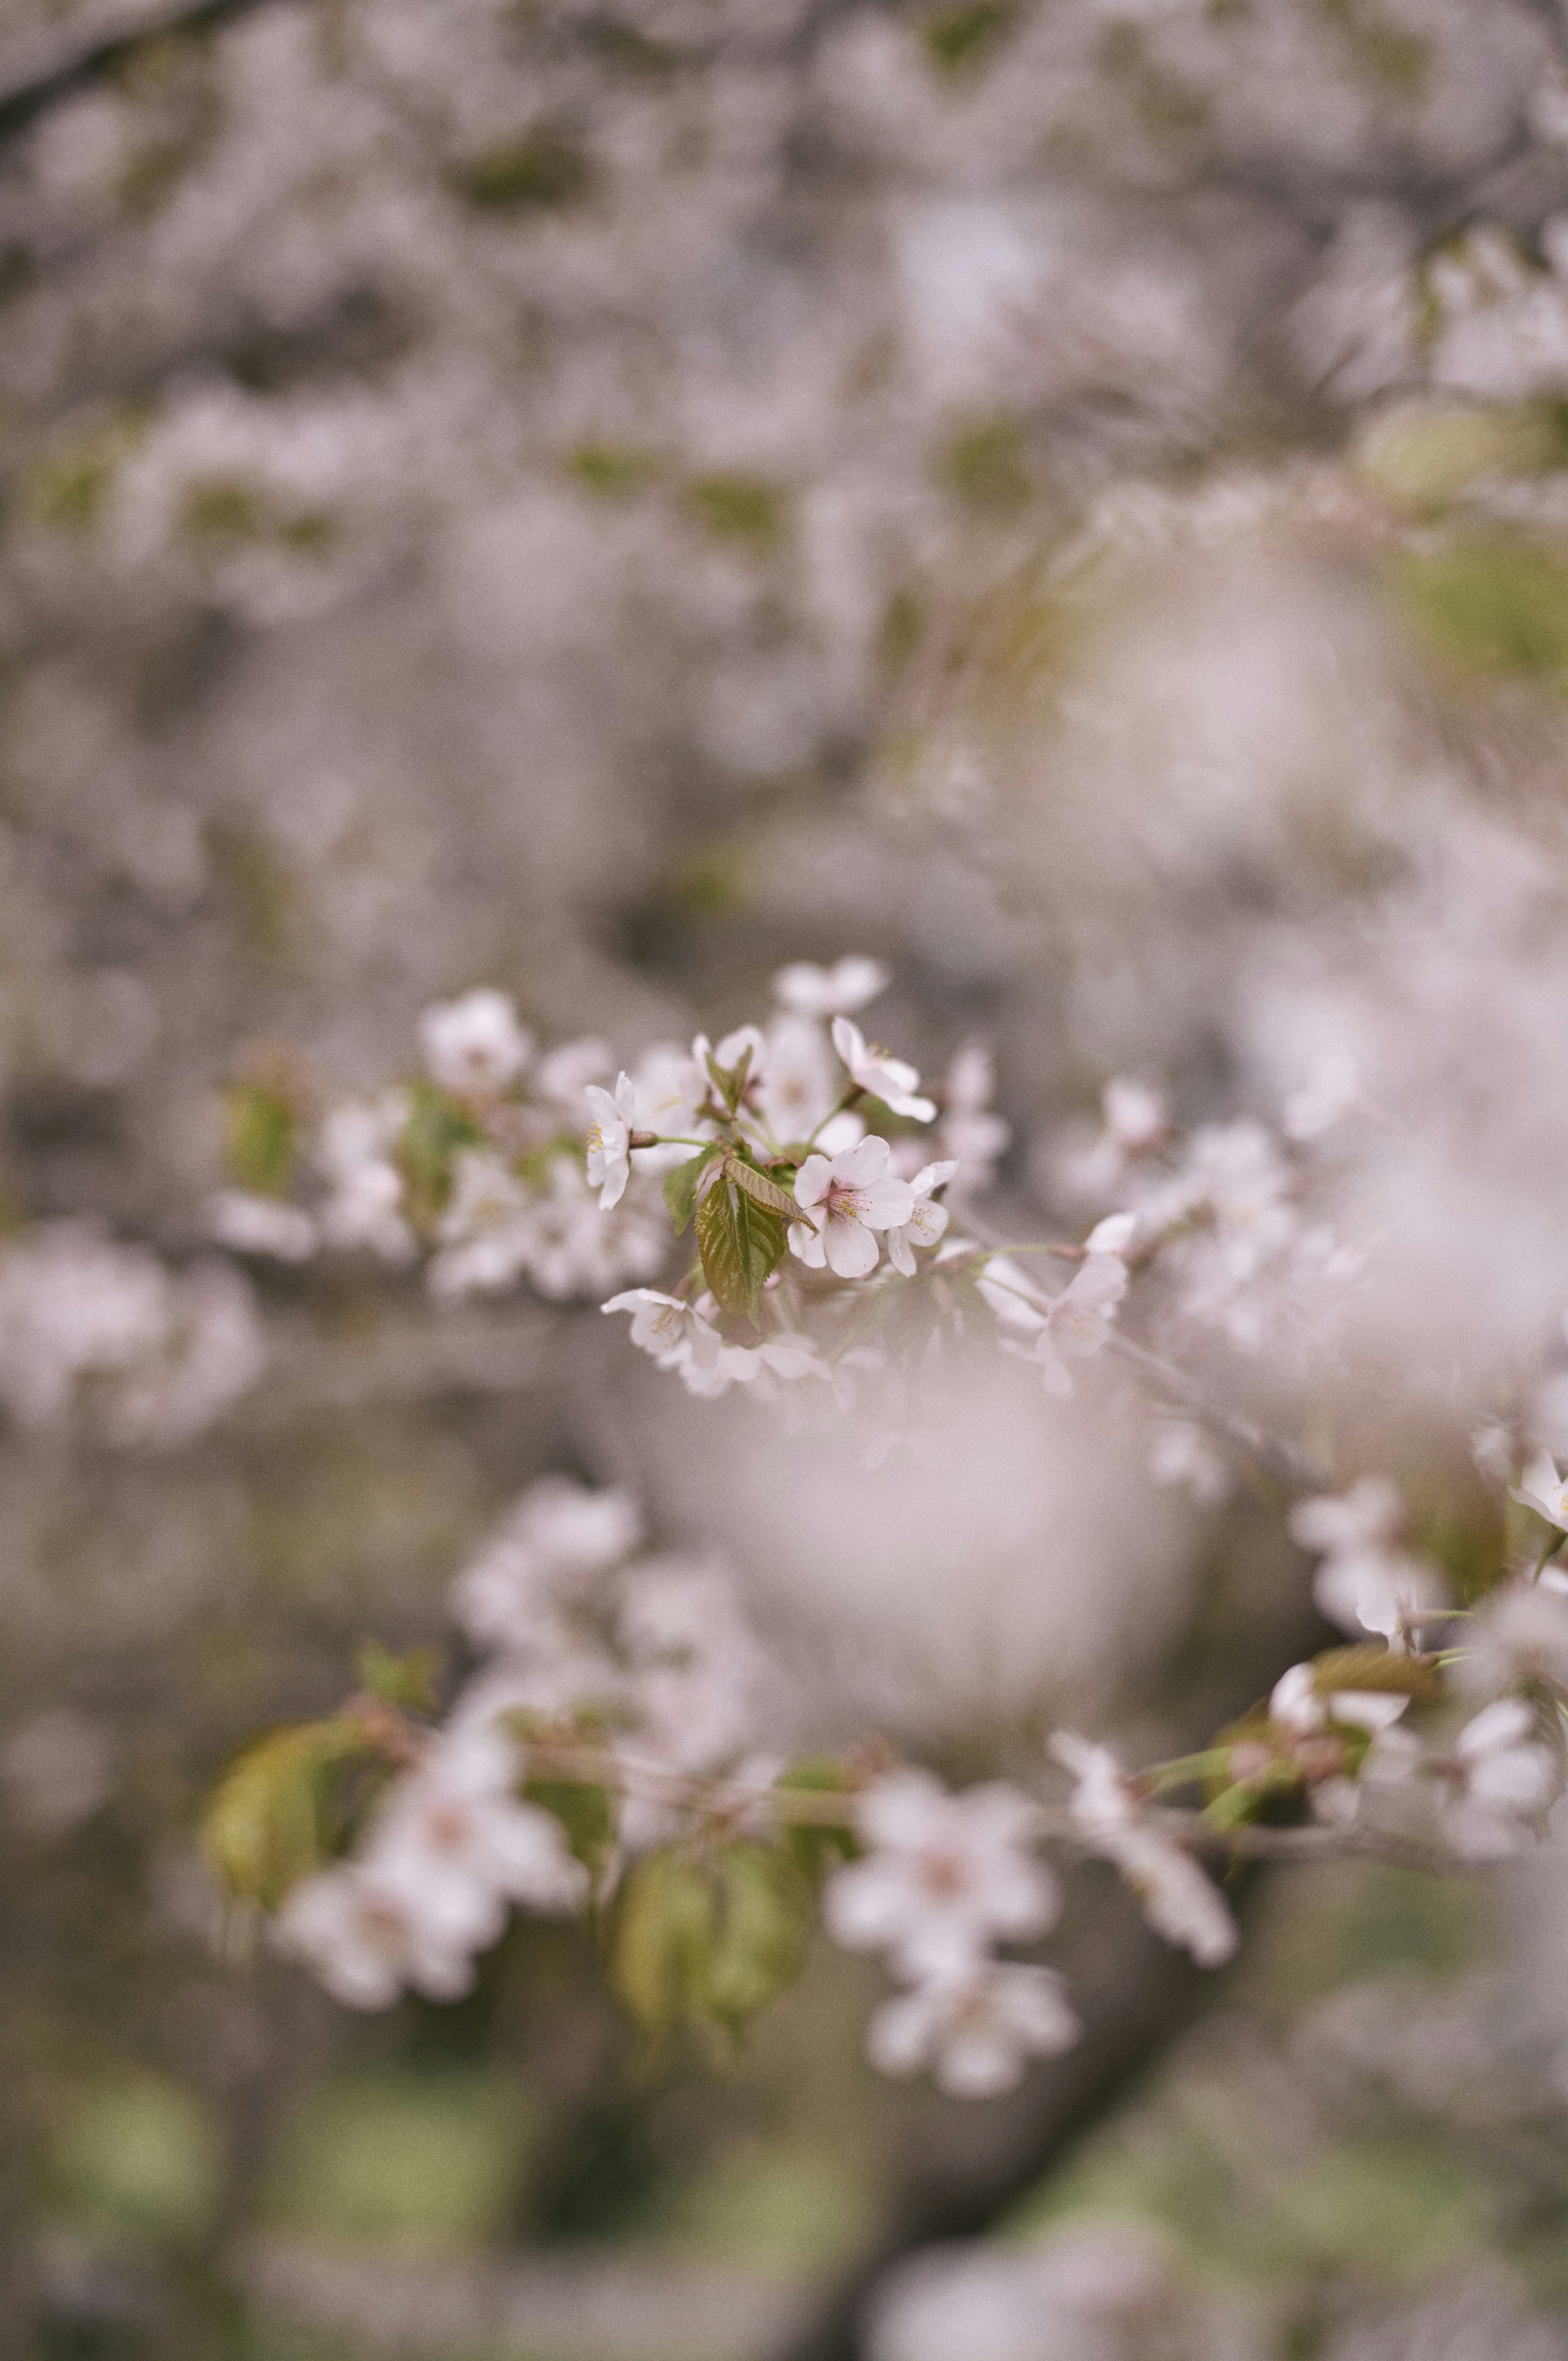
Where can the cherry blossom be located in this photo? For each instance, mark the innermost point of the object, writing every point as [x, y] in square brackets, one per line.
[609, 1137]
[474, 1046]
[837, 990]
[879, 1074]
[1178, 1901]
[974, 2030]
[845, 1200]
[364, 1207]
[364, 1938]
[943, 1876]
[926, 1223]
[454, 1837]
[1543, 1489]
[1499, 1782]
[249, 1223]
[1078, 1321]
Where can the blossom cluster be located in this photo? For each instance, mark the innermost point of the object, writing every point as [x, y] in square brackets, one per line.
[602, 1755]
[475, 1169]
[105, 1335]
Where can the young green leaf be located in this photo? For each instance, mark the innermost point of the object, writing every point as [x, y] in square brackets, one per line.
[584, 1815]
[660, 1939]
[817, 1850]
[407, 1682]
[739, 1242]
[260, 1140]
[766, 1916]
[265, 1826]
[762, 1191]
[436, 1128]
[680, 1186]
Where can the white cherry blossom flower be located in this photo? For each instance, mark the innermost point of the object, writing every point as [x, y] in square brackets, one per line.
[1501, 1780]
[363, 1206]
[1543, 1489]
[1006, 1286]
[1519, 1632]
[1137, 1114]
[974, 2030]
[487, 1229]
[1182, 1454]
[943, 1878]
[674, 1332]
[454, 1836]
[837, 990]
[365, 1938]
[927, 1221]
[474, 1046]
[795, 1094]
[1178, 1901]
[248, 1223]
[844, 1200]
[1296, 1705]
[879, 1074]
[610, 1135]
[1382, 1591]
[1078, 1321]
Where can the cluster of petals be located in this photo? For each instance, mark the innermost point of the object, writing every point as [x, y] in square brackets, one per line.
[1178, 1900]
[943, 1878]
[1075, 1324]
[1366, 1582]
[451, 1847]
[844, 1200]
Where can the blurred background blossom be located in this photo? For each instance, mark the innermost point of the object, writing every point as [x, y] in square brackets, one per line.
[1066, 497]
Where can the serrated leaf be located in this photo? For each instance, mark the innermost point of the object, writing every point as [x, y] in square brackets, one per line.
[660, 1939]
[762, 1191]
[680, 1186]
[740, 1243]
[407, 1681]
[583, 1812]
[266, 1822]
[766, 1916]
[436, 1128]
[260, 1138]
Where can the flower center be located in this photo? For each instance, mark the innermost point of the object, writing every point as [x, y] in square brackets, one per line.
[944, 1875]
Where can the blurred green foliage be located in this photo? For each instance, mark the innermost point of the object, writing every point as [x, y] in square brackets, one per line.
[1490, 603]
[425, 2157]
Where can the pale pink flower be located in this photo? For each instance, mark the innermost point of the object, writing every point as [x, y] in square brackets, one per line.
[609, 1137]
[474, 1046]
[943, 1878]
[926, 1223]
[844, 1201]
[879, 1074]
[1078, 1321]
[974, 2030]
[808, 990]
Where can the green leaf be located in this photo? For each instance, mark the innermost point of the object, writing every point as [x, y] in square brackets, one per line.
[817, 1850]
[660, 1941]
[1376, 1669]
[766, 1916]
[436, 1128]
[680, 1186]
[260, 1138]
[266, 1825]
[762, 1191]
[583, 1812]
[730, 1081]
[407, 1682]
[740, 1243]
